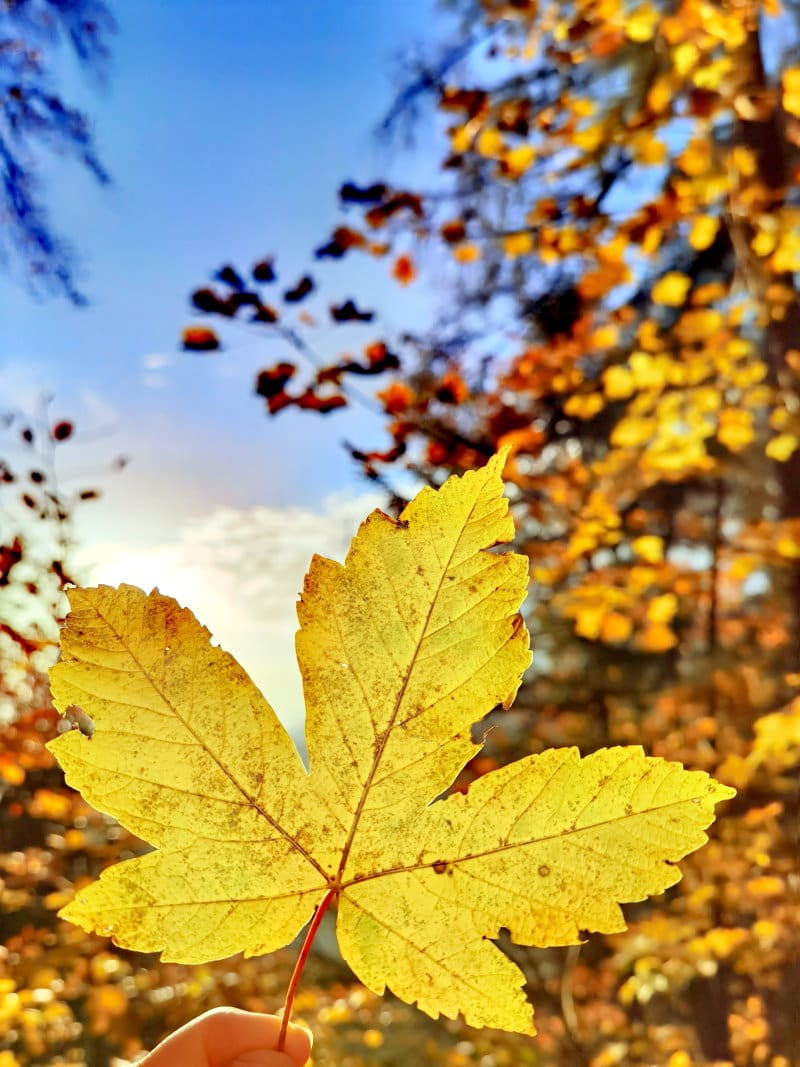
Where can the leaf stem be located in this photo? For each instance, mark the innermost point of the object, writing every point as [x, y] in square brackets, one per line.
[311, 933]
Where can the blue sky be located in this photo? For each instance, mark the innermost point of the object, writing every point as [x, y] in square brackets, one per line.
[227, 128]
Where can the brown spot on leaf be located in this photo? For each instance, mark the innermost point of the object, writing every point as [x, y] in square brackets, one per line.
[440, 867]
[544, 870]
[79, 720]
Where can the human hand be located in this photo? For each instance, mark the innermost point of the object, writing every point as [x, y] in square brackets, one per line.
[229, 1037]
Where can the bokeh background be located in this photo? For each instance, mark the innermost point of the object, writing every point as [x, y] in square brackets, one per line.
[266, 267]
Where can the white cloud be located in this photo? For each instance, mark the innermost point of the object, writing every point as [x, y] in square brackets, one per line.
[240, 571]
[96, 412]
[153, 364]
[21, 384]
[156, 361]
[22, 390]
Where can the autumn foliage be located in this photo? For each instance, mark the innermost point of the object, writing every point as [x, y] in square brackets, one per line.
[619, 211]
[618, 223]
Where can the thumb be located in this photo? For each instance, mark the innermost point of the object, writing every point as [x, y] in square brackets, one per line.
[295, 1053]
[263, 1058]
[229, 1037]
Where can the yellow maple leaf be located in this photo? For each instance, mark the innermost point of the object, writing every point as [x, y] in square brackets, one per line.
[401, 649]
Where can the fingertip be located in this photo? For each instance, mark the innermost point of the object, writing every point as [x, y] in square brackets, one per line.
[299, 1040]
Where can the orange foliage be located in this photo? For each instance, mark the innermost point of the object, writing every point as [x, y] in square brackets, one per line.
[624, 203]
[404, 270]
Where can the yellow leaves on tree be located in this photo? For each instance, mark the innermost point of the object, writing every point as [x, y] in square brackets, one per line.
[618, 382]
[401, 650]
[782, 447]
[466, 252]
[640, 25]
[518, 244]
[778, 735]
[649, 548]
[615, 628]
[584, 405]
[671, 289]
[703, 231]
[735, 428]
[518, 160]
[614, 614]
[786, 257]
[791, 91]
[612, 270]
[489, 142]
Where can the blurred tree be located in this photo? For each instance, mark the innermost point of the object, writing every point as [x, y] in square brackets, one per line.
[35, 545]
[619, 209]
[34, 116]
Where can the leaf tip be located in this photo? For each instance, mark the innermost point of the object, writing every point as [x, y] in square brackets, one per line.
[721, 792]
[499, 460]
